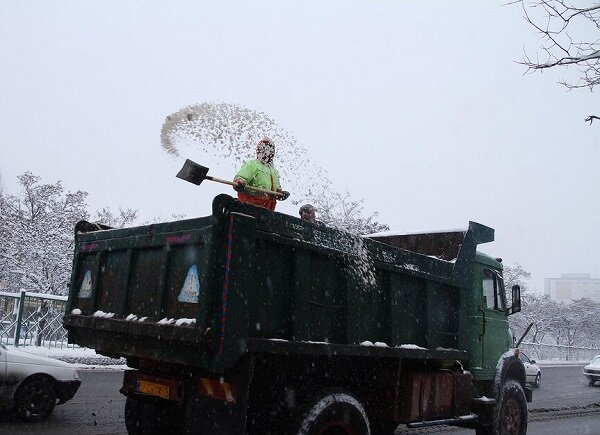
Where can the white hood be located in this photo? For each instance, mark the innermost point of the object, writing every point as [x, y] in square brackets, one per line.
[18, 357]
[21, 364]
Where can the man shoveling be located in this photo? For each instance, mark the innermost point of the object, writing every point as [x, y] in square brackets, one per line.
[260, 173]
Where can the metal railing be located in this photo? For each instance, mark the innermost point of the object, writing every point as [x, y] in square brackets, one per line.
[32, 319]
[557, 352]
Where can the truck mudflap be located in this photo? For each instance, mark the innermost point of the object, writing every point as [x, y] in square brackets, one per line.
[528, 394]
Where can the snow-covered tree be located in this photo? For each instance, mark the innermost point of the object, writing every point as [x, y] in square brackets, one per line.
[567, 324]
[539, 310]
[576, 323]
[36, 229]
[36, 234]
[120, 220]
[341, 211]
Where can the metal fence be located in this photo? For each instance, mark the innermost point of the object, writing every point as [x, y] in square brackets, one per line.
[32, 319]
[556, 352]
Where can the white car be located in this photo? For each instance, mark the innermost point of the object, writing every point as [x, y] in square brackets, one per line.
[533, 374]
[32, 384]
[592, 370]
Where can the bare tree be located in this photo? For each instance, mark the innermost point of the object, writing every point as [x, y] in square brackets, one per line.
[565, 27]
[558, 22]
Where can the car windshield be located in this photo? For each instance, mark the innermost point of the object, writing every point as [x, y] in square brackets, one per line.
[596, 361]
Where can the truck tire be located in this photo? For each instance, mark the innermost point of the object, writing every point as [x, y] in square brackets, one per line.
[35, 399]
[510, 416]
[331, 412]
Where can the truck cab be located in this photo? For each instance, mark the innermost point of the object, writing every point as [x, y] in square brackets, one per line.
[490, 333]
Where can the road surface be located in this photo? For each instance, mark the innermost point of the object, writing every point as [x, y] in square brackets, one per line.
[563, 404]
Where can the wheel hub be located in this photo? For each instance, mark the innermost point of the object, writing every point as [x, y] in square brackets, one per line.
[511, 418]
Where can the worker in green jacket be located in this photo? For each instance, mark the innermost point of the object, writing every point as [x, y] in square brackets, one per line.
[260, 172]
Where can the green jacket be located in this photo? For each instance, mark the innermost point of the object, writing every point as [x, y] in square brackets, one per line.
[258, 174]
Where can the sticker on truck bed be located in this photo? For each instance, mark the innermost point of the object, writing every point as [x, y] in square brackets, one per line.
[86, 286]
[191, 287]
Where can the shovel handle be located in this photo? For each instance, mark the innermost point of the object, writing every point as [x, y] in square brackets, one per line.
[251, 188]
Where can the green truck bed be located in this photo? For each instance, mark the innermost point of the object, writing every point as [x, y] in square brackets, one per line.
[203, 292]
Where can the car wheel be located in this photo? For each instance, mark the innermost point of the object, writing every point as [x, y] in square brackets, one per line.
[591, 382]
[35, 399]
[538, 380]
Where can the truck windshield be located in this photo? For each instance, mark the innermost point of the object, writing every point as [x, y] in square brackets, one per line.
[493, 290]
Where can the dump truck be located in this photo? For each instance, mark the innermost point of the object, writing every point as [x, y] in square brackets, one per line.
[252, 321]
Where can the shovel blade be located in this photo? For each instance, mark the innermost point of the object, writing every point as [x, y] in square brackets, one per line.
[192, 172]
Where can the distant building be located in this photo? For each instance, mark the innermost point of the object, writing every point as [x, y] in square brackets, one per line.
[571, 286]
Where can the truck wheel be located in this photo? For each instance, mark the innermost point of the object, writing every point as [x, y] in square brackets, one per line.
[331, 413]
[35, 399]
[511, 412]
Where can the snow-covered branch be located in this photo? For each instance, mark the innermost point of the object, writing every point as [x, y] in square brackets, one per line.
[564, 29]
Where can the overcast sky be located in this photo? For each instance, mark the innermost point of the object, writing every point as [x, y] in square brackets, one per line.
[419, 108]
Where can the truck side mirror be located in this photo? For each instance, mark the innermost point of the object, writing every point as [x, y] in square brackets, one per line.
[516, 300]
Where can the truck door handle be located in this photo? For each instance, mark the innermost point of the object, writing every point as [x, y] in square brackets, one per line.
[483, 321]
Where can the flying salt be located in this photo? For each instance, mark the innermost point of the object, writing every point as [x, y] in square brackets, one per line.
[226, 132]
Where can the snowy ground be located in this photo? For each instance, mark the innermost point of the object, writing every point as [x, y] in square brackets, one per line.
[82, 358]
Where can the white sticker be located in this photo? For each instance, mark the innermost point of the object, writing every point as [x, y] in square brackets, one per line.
[86, 286]
[191, 287]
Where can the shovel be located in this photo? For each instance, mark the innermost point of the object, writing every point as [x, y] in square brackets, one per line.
[196, 174]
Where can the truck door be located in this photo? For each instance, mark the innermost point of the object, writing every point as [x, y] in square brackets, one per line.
[495, 324]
